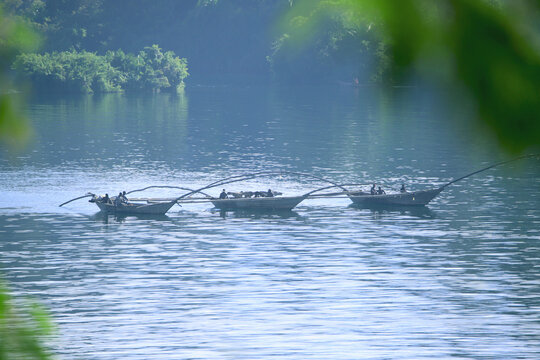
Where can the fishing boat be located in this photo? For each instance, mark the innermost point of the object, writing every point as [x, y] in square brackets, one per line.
[358, 197]
[415, 198]
[259, 203]
[134, 206]
[262, 203]
[157, 208]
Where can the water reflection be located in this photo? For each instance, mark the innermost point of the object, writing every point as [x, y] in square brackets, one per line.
[380, 210]
[105, 217]
[257, 214]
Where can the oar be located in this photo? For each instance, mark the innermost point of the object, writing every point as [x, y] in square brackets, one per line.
[490, 167]
[77, 198]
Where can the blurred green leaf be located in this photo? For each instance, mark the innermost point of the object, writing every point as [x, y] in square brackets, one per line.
[15, 37]
[489, 48]
[23, 329]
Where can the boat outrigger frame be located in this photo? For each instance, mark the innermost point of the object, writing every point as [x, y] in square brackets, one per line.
[358, 197]
[422, 197]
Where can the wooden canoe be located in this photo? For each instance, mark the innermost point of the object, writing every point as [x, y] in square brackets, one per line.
[136, 208]
[260, 203]
[415, 198]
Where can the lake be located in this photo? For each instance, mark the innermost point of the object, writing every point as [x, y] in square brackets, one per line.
[458, 279]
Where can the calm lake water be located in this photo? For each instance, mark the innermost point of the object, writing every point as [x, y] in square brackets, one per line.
[459, 279]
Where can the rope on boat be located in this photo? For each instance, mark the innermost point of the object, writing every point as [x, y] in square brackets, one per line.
[237, 178]
[490, 167]
[77, 198]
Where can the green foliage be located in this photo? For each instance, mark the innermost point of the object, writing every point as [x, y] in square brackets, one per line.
[15, 37]
[23, 329]
[82, 71]
[488, 48]
[73, 71]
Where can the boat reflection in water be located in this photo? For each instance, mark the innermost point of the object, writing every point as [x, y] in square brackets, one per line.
[257, 214]
[106, 217]
[381, 210]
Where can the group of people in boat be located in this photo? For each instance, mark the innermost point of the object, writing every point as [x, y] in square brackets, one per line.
[121, 199]
[118, 200]
[380, 191]
[247, 194]
[374, 191]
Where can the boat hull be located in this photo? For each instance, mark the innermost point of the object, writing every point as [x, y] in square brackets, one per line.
[134, 208]
[262, 203]
[416, 198]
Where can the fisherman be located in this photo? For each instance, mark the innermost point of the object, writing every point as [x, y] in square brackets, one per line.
[106, 199]
[380, 191]
[223, 195]
[373, 190]
[402, 190]
[269, 193]
[124, 197]
[118, 199]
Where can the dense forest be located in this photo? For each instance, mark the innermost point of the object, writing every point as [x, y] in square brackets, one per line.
[223, 40]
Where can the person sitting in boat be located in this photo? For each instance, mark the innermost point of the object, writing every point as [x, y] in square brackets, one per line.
[373, 190]
[118, 199]
[124, 197]
[402, 190]
[269, 193]
[106, 199]
[223, 195]
[380, 191]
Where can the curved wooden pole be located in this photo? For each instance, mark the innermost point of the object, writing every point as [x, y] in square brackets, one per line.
[270, 172]
[490, 167]
[332, 186]
[77, 198]
[166, 187]
[237, 178]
